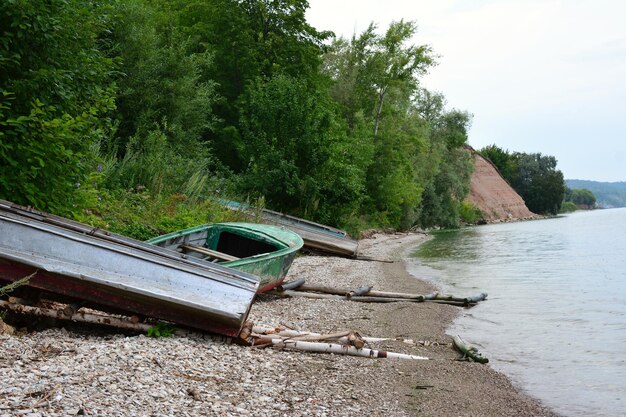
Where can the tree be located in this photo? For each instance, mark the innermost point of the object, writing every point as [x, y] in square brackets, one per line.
[249, 40]
[539, 183]
[375, 78]
[533, 176]
[161, 87]
[56, 92]
[295, 149]
[503, 161]
[448, 184]
[580, 197]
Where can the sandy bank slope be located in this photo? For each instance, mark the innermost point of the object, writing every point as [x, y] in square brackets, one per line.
[493, 195]
[56, 372]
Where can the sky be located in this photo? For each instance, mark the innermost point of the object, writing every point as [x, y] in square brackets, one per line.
[544, 76]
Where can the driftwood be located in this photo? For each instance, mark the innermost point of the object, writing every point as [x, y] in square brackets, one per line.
[344, 297]
[368, 299]
[468, 350]
[359, 291]
[291, 284]
[323, 289]
[17, 305]
[6, 329]
[334, 348]
[326, 293]
[347, 337]
[367, 295]
[395, 295]
[464, 300]
[368, 258]
[280, 333]
[291, 293]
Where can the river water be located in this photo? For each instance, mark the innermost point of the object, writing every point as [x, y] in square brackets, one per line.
[555, 318]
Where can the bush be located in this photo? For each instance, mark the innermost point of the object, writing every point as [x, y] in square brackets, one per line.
[568, 207]
[469, 213]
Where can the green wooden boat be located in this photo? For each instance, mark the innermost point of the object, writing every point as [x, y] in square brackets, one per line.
[260, 249]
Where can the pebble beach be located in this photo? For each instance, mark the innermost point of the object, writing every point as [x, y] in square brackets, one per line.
[62, 371]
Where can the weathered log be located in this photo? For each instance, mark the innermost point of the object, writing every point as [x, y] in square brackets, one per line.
[328, 293]
[336, 349]
[344, 291]
[369, 258]
[346, 337]
[323, 289]
[477, 298]
[6, 329]
[468, 350]
[357, 298]
[356, 340]
[464, 300]
[280, 333]
[292, 293]
[359, 291]
[367, 299]
[78, 316]
[291, 284]
[395, 295]
[16, 305]
[318, 337]
[452, 303]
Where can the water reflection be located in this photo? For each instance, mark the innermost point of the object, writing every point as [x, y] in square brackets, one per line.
[458, 244]
[556, 313]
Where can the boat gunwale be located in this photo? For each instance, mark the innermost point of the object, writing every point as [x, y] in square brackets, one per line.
[286, 219]
[216, 272]
[289, 248]
[119, 286]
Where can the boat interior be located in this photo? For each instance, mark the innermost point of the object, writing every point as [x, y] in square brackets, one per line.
[217, 245]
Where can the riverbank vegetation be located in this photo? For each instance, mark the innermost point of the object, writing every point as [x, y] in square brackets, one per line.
[138, 115]
[607, 194]
[533, 176]
[578, 199]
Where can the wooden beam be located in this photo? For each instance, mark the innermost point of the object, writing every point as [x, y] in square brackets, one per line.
[209, 252]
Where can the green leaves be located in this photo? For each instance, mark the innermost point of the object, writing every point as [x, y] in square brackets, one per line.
[533, 176]
[55, 95]
[48, 160]
[158, 97]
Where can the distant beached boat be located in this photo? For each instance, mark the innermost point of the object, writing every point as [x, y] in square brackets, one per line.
[260, 249]
[317, 237]
[74, 260]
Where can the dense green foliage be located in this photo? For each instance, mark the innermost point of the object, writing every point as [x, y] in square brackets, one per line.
[134, 115]
[568, 207]
[533, 176]
[608, 194]
[580, 196]
[56, 89]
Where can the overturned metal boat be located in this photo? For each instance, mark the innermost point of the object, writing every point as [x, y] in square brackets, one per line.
[317, 237]
[260, 249]
[85, 263]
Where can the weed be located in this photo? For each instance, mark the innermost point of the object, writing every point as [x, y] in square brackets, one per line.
[161, 330]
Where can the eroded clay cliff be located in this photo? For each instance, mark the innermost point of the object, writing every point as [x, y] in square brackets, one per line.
[493, 195]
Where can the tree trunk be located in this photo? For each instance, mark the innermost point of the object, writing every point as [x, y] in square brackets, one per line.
[379, 110]
[469, 350]
[337, 349]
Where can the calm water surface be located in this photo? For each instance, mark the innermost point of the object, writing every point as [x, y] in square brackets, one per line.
[555, 319]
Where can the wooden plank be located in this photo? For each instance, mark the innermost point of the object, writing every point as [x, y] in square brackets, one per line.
[209, 252]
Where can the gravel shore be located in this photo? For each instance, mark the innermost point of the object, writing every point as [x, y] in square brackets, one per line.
[59, 372]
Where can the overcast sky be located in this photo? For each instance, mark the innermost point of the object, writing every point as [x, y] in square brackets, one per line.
[543, 76]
